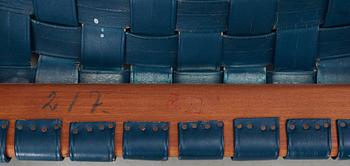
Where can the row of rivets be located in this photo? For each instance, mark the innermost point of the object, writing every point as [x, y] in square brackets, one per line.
[89, 129]
[33, 127]
[143, 128]
[205, 126]
[307, 126]
[262, 127]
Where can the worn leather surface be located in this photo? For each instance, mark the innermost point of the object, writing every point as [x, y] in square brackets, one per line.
[56, 70]
[308, 138]
[17, 74]
[295, 77]
[17, 6]
[153, 17]
[146, 140]
[245, 74]
[3, 136]
[201, 140]
[38, 140]
[55, 40]
[337, 14]
[334, 71]
[15, 39]
[91, 141]
[108, 13]
[343, 130]
[198, 77]
[254, 17]
[334, 42]
[202, 15]
[61, 12]
[151, 74]
[97, 51]
[115, 76]
[256, 139]
[151, 50]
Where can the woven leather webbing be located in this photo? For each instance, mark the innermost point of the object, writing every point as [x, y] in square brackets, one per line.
[175, 41]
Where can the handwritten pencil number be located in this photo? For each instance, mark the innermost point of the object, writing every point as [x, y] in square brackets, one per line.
[50, 105]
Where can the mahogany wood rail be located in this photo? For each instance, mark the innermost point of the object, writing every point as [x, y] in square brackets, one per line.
[172, 103]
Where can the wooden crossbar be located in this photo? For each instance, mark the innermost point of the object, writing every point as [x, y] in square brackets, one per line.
[172, 103]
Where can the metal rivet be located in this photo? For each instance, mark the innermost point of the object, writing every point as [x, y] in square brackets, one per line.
[249, 126]
[75, 131]
[342, 124]
[219, 124]
[326, 125]
[127, 128]
[317, 126]
[44, 129]
[101, 126]
[19, 127]
[273, 127]
[239, 126]
[96, 21]
[184, 126]
[207, 126]
[102, 35]
[155, 128]
[56, 126]
[102, 29]
[292, 126]
[110, 125]
[165, 128]
[263, 128]
[194, 125]
[142, 128]
[3, 125]
[33, 127]
[306, 126]
[89, 129]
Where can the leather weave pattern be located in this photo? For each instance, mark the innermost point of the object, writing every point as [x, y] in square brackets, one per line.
[175, 41]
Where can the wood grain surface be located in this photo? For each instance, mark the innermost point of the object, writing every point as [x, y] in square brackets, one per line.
[172, 103]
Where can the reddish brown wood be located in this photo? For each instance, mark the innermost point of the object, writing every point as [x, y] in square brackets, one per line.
[174, 103]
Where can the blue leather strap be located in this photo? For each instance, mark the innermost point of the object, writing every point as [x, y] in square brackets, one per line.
[190, 55]
[245, 74]
[146, 140]
[153, 17]
[3, 136]
[17, 6]
[60, 41]
[296, 49]
[198, 77]
[98, 52]
[201, 140]
[308, 138]
[15, 39]
[118, 75]
[334, 71]
[91, 141]
[62, 12]
[256, 139]
[338, 13]
[292, 77]
[17, 74]
[151, 50]
[151, 74]
[343, 129]
[56, 70]
[248, 50]
[334, 42]
[107, 13]
[252, 17]
[300, 13]
[202, 15]
[38, 140]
